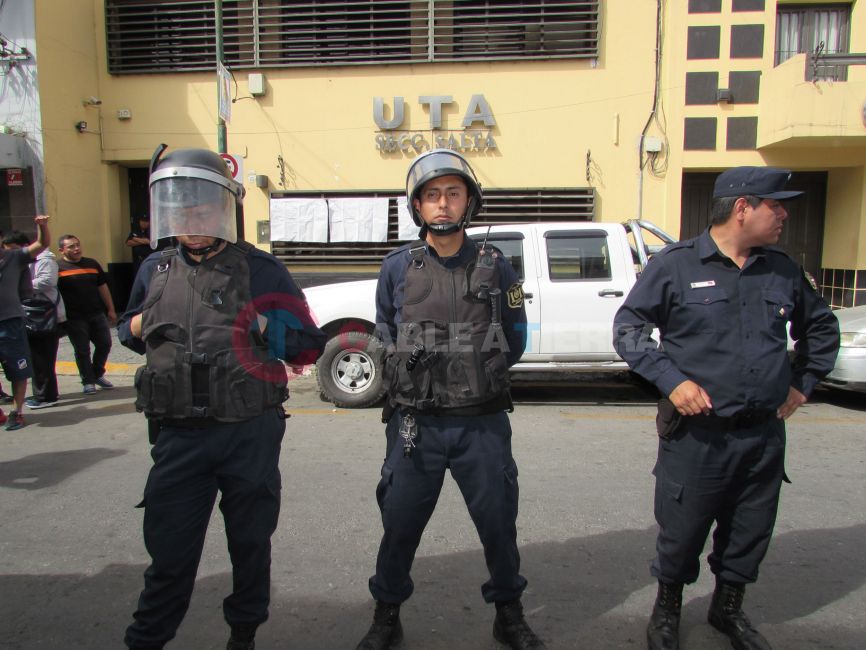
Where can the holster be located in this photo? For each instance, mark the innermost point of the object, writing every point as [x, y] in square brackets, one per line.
[153, 427]
[668, 419]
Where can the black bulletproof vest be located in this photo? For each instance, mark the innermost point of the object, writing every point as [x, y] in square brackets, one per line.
[204, 360]
[449, 348]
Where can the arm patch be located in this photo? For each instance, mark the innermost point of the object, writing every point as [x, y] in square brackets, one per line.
[515, 295]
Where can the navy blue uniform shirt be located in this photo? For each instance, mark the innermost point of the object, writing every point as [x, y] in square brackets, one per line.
[392, 279]
[301, 341]
[725, 328]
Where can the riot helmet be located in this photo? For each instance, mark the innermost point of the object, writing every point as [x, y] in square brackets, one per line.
[192, 193]
[433, 164]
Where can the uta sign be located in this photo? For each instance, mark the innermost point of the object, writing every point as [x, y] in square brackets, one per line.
[475, 135]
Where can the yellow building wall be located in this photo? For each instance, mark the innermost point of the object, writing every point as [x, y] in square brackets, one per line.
[558, 123]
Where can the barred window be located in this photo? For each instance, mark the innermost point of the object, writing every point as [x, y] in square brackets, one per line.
[814, 29]
[180, 35]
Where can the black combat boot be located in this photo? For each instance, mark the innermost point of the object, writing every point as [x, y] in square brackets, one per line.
[663, 631]
[242, 638]
[511, 629]
[386, 630]
[726, 615]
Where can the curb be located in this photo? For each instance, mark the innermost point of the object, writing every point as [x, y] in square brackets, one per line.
[117, 369]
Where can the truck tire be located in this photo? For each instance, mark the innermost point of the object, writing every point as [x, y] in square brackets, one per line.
[350, 370]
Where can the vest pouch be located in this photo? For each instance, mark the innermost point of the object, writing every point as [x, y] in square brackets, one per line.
[496, 370]
[155, 392]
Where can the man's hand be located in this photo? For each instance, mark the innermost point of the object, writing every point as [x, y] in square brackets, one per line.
[795, 400]
[691, 399]
[135, 326]
[112, 317]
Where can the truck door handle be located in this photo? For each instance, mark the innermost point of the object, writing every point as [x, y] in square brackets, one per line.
[610, 292]
[529, 296]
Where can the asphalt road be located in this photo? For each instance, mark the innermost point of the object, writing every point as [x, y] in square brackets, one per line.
[71, 555]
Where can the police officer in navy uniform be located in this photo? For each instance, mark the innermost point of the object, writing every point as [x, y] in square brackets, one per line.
[213, 385]
[723, 303]
[451, 314]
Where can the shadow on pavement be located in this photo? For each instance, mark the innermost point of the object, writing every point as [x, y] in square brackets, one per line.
[44, 470]
[576, 590]
[79, 408]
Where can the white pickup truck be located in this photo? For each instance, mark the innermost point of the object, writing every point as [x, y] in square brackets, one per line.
[575, 276]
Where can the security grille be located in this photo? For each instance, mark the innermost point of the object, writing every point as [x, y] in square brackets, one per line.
[500, 206]
[179, 35]
[820, 29]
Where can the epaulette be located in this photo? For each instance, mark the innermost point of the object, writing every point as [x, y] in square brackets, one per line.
[398, 251]
[676, 246]
[244, 246]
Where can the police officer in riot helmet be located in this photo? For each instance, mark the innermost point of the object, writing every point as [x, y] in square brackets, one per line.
[212, 390]
[450, 313]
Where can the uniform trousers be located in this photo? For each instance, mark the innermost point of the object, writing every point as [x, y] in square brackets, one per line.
[728, 477]
[240, 461]
[43, 353]
[477, 450]
[82, 332]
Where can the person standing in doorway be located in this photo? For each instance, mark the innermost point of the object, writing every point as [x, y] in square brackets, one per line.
[89, 312]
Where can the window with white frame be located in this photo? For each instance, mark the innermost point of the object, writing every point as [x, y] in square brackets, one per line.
[822, 29]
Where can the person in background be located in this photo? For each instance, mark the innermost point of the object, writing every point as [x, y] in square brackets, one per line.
[43, 345]
[14, 350]
[89, 312]
[139, 241]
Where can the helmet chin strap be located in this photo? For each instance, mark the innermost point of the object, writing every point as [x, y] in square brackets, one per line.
[442, 229]
[201, 251]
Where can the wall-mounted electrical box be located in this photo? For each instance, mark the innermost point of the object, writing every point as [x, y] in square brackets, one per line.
[256, 83]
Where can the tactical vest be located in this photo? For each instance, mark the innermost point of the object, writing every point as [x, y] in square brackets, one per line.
[204, 360]
[449, 352]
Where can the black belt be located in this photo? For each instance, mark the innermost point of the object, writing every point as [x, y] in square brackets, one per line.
[742, 420]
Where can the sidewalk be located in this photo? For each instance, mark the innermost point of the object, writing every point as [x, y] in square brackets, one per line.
[121, 362]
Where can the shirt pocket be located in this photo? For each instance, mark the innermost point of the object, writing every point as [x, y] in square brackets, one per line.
[778, 308]
[708, 308]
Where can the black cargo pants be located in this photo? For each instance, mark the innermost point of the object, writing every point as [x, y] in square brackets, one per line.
[477, 450]
[238, 460]
[728, 477]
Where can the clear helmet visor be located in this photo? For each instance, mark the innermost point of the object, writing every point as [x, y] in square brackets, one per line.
[182, 205]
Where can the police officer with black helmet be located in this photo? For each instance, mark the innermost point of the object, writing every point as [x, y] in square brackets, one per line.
[724, 303]
[450, 312]
[212, 389]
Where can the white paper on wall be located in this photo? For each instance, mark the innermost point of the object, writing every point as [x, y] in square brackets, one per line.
[358, 219]
[299, 220]
[406, 228]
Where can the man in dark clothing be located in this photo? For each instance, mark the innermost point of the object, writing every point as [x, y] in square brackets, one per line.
[14, 350]
[723, 303]
[451, 315]
[139, 241]
[89, 312]
[213, 386]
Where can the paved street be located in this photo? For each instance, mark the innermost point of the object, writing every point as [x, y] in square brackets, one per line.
[71, 555]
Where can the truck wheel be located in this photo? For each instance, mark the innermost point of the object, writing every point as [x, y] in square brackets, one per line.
[349, 372]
